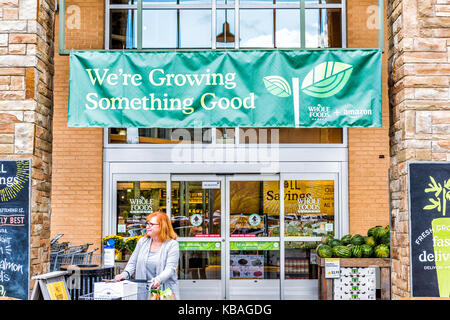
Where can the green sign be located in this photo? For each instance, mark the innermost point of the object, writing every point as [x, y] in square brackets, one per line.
[255, 245]
[225, 88]
[199, 246]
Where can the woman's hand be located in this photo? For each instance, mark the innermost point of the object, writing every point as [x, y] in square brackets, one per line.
[155, 283]
[119, 277]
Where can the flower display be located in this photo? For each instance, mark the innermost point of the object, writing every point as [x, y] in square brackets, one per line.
[130, 243]
[119, 243]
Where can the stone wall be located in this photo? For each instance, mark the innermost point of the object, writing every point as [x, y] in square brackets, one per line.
[26, 76]
[419, 68]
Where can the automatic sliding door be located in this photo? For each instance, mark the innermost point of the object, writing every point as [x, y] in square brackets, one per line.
[253, 243]
[309, 214]
[197, 203]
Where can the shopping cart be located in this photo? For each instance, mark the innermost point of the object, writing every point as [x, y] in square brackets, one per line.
[142, 293]
[72, 255]
[85, 258]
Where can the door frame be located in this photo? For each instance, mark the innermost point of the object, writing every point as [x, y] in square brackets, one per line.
[221, 239]
[337, 222]
[228, 238]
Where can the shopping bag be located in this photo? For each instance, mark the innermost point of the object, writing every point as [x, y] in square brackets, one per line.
[155, 294]
[167, 295]
[162, 295]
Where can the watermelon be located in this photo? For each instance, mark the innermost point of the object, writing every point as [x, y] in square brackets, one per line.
[324, 251]
[378, 233]
[387, 228]
[370, 231]
[357, 240]
[386, 239]
[334, 243]
[342, 252]
[328, 238]
[356, 251]
[371, 241]
[366, 250]
[381, 251]
[346, 239]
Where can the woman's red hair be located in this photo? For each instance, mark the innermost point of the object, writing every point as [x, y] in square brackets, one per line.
[166, 231]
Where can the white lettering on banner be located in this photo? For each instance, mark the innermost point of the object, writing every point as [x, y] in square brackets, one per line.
[319, 112]
[437, 256]
[225, 103]
[423, 235]
[113, 78]
[158, 78]
[208, 101]
[144, 103]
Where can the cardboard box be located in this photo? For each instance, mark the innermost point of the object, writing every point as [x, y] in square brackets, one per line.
[355, 284]
[354, 296]
[357, 271]
[115, 290]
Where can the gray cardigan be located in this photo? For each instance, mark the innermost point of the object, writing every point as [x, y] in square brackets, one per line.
[167, 268]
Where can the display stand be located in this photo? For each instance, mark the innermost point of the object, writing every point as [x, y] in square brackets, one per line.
[50, 286]
[326, 284]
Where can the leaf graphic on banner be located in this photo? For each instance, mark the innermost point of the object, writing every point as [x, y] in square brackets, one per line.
[326, 79]
[277, 86]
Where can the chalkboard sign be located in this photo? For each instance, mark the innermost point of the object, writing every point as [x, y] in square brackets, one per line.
[429, 199]
[15, 228]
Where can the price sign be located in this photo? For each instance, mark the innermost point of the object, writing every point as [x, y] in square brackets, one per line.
[15, 180]
[332, 268]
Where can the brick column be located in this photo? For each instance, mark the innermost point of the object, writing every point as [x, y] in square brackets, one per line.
[26, 73]
[419, 69]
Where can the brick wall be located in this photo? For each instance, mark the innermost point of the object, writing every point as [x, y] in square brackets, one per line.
[26, 71]
[368, 173]
[419, 62]
[77, 152]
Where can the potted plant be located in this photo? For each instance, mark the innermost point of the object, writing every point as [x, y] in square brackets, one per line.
[130, 244]
[119, 244]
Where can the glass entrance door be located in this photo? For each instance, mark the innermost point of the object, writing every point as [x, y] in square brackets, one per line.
[253, 238]
[307, 204]
[197, 204]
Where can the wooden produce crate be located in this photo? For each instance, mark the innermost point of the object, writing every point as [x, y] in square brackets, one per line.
[326, 285]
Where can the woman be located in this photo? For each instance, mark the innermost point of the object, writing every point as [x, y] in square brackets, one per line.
[156, 255]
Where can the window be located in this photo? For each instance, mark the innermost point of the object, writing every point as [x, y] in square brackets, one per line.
[135, 201]
[171, 24]
[225, 24]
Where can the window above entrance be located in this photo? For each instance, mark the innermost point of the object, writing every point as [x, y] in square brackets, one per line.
[173, 24]
[226, 136]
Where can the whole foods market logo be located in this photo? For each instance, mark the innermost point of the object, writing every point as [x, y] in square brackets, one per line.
[308, 205]
[141, 205]
[325, 80]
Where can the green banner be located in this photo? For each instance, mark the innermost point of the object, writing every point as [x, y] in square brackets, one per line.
[255, 245]
[225, 88]
[199, 246]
